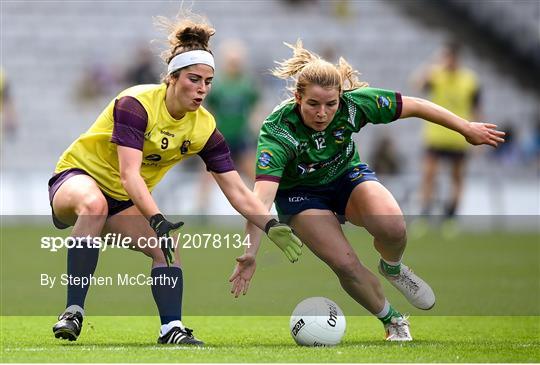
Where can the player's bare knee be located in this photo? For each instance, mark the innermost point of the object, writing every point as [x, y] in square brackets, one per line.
[347, 269]
[93, 205]
[394, 233]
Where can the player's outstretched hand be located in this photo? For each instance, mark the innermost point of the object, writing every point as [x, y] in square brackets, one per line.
[242, 274]
[163, 228]
[283, 236]
[484, 133]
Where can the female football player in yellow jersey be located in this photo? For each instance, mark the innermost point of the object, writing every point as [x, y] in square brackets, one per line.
[108, 174]
[456, 88]
[309, 166]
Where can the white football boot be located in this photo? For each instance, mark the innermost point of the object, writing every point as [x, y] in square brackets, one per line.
[416, 290]
[398, 329]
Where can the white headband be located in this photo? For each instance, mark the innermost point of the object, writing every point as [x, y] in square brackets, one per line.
[190, 58]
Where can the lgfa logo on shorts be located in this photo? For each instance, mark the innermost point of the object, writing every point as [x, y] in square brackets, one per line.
[297, 199]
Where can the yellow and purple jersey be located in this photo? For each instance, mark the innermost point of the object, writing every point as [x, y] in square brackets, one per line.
[458, 92]
[138, 118]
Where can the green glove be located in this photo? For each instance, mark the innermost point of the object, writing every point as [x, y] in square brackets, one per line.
[284, 238]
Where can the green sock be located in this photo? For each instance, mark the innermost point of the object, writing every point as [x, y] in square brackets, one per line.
[390, 269]
[391, 314]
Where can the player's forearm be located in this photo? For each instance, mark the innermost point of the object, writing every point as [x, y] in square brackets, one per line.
[247, 204]
[421, 108]
[138, 192]
[266, 196]
[255, 235]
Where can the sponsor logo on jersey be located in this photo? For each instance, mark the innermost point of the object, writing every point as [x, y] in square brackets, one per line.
[153, 157]
[298, 326]
[167, 133]
[355, 174]
[304, 168]
[185, 147]
[318, 134]
[383, 102]
[264, 159]
[336, 160]
[339, 134]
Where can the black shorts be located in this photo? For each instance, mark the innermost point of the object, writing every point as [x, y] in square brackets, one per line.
[333, 196]
[451, 155]
[114, 206]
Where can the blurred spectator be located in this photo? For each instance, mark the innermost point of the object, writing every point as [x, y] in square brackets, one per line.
[232, 100]
[143, 71]
[7, 109]
[455, 88]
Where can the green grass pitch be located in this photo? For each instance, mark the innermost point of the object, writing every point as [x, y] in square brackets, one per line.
[487, 287]
[267, 339]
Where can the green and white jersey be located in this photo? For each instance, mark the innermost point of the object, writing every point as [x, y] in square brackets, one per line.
[293, 154]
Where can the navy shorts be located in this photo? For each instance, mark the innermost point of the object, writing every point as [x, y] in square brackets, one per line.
[333, 196]
[114, 206]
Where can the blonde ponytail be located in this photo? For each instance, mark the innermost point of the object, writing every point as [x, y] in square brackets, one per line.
[294, 65]
[349, 76]
[307, 68]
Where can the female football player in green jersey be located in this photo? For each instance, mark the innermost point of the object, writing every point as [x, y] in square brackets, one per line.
[103, 181]
[309, 166]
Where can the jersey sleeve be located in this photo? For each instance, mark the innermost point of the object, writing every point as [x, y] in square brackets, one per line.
[273, 153]
[216, 154]
[376, 106]
[130, 121]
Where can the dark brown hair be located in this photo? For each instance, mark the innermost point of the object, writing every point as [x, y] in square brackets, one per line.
[187, 32]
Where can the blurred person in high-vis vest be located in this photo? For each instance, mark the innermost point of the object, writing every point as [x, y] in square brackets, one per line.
[455, 88]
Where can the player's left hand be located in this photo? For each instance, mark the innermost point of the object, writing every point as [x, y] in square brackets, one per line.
[163, 228]
[242, 274]
[484, 133]
[283, 236]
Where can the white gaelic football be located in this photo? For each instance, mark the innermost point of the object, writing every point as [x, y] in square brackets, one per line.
[317, 321]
